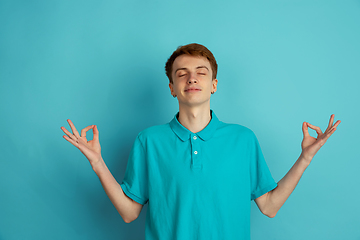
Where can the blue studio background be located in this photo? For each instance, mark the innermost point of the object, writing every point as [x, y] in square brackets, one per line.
[102, 62]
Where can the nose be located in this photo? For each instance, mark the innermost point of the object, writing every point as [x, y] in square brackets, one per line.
[192, 79]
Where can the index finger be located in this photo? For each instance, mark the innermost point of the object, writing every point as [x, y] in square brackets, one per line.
[73, 129]
[83, 132]
[316, 128]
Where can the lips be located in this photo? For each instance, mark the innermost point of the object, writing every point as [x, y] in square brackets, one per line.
[192, 89]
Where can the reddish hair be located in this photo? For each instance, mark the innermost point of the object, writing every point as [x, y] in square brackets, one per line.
[192, 49]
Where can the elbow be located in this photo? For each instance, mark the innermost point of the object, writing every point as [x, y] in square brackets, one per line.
[130, 212]
[128, 220]
[269, 214]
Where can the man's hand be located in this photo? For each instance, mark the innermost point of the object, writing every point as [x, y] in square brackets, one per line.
[127, 208]
[310, 145]
[271, 202]
[91, 149]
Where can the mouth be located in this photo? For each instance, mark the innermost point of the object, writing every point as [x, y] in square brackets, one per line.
[193, 90]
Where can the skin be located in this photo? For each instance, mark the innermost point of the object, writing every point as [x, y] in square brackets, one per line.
[193, 84]
[270, 203]
[127, 208]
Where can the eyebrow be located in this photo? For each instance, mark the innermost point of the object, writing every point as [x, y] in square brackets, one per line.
[196, 68]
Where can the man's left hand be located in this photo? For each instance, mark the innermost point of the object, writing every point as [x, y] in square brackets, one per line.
[310, 145]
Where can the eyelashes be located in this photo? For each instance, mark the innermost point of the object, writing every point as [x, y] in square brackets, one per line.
[183, 75]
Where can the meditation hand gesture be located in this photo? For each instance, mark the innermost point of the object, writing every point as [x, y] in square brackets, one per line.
[310, 145]
[91, 149]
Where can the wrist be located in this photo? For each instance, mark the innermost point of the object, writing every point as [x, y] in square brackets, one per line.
[98, 166]
[306, 160]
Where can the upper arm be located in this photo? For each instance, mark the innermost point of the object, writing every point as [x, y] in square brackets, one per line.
[133, 210]
[263, 203]
[137, 207]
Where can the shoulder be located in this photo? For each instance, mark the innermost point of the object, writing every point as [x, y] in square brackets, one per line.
[155, 132]
[235, 129]
[239, 134]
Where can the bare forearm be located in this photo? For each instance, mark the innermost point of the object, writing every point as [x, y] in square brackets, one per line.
[123, 204]
[286, 186]
[271, 202]
[127, 208]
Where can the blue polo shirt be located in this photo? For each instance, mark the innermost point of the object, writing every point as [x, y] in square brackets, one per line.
[198, 185]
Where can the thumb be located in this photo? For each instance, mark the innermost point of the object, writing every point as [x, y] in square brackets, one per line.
[96, 133]
[305, 129]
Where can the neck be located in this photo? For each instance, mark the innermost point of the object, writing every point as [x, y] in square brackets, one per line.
[194, 119]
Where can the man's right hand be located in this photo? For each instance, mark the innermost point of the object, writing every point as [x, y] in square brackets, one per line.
[91, 149]
[127, 208]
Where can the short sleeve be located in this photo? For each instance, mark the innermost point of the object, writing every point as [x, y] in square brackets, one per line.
[261, 179]
[135, 182]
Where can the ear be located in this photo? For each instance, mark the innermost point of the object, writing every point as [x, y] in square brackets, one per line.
[214, 85]
[171, 89]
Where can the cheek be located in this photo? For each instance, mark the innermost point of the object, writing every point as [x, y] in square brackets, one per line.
[171, 86]
[175, 88]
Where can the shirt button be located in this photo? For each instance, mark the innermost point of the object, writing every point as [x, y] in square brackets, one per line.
[195, 152]
[194, 137]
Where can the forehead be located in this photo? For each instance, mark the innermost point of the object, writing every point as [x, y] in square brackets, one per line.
[190, 62]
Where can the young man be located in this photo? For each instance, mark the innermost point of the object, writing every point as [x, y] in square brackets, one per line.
[197, 173]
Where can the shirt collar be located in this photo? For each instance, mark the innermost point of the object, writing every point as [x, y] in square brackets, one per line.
[184, 134]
